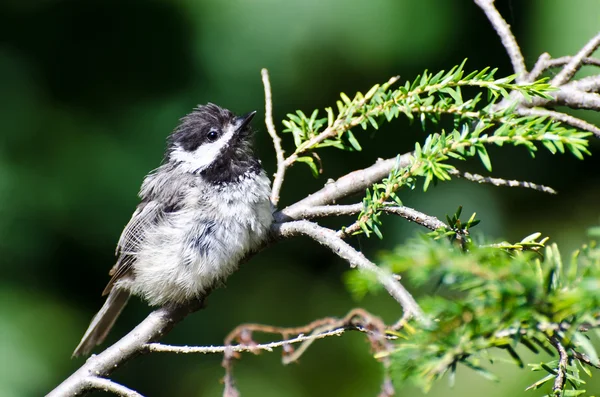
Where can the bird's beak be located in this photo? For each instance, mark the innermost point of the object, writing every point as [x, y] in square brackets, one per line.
[243, 121]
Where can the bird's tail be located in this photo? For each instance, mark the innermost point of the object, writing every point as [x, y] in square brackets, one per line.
[102, 321]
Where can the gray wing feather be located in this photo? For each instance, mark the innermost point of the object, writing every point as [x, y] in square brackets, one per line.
[145, 217]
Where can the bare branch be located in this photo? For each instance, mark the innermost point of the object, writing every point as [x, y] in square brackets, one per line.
[356, 259]
[540, 66]
[279, 154]
[545, 62]
[508, 39]
[356, 320]
[587, 84]
[562, 117]
[161, 348]
[153, 327]
[347, 185]
[112, 387]
[552, 63]
[568, 96]
[575, 63]
[410, 214]
[321, 211]
[501, 182]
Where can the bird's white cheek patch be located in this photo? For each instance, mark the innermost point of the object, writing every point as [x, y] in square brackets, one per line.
[204, 155]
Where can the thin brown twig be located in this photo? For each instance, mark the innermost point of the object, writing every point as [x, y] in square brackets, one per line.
[501, 182]
[279, 153]
[575, 63]
[356, 320]
[506, 37]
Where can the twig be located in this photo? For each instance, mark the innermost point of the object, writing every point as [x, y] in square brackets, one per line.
[563, 361]
[508, 39]
[161, 348]
[556, 62]
[575, 63]
[586, 84]
[562, 117]
[540, 66]
[108, 385]
[321, 211]
[568, 96]
[279, 154]
[328, 238]
[584, 358]
[356, 320]
[408, 213]
[352, 183]
[501, 182]
[428, 221]
[545, 62]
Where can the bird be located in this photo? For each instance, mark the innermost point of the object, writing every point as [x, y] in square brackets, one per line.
[201, 211]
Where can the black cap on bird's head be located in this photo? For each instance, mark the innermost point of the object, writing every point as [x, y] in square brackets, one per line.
[212, 140]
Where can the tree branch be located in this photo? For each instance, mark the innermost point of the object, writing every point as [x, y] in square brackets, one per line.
[356, 259]
[568, 96]
[352, 183]
[410, 214]
[562, 117]
[586, 84]
[544, 62]
[108, 385]
[152, 328]
[540, 66]
[506, 37]
[501, 182]
[279, 154]
[575, 62]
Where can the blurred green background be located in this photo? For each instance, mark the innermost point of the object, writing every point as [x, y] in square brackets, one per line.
[90, 89]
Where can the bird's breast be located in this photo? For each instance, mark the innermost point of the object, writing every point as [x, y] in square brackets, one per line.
[201, 244]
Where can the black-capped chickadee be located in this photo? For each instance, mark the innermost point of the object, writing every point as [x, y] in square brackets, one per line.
[201, 211]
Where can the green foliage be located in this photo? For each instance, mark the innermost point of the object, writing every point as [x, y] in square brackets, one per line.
[495, 296]
[477, 123]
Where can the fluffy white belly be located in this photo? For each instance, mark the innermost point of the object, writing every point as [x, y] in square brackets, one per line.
[195, 248]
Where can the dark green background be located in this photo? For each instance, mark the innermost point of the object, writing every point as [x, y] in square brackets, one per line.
[90, 89]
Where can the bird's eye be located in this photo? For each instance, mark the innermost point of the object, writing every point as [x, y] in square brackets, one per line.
[212, 135]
